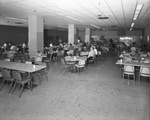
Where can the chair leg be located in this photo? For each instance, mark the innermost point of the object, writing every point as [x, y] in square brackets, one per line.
[13, 89]
[2, 85]
[79, 70]
[46, 77]
[134, 79]
[139, 79]
[41, 78]
[61, 69]
[21, 90]
[123, 80]
[128, 79]
[30, 83]
[65, 70]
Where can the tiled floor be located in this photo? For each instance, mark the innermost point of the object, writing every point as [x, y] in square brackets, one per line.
[98, 94]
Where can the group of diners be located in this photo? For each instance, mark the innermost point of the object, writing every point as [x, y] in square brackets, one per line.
[78, 49]
[135, 62]
[9, 46]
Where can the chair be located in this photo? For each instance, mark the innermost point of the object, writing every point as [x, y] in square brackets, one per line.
[129, 70]
[144, 72]
[6, 76]
[44, 72]
[19, 79]
[64, 65]
[80, 65]
[92, 60]
[28, 62]
[7, 59]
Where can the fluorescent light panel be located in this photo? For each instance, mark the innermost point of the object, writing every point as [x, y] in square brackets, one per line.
[139, 7]
[137, 11]
[70, 17]
[132, 24]
[94, 25]
[130, 29]
[15, 18]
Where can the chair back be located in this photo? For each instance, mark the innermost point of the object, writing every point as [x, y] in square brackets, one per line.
[63, 62]
[81, 62]
[129, 68]
[38, 58]
[7, 59]
[6, 74]
[17, 76]
[145, 70]
[28, 62]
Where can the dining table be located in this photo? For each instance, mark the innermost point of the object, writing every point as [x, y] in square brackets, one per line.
[30, 68]
[136, 64]
[73, 60]
[132, 62]
[22, 67]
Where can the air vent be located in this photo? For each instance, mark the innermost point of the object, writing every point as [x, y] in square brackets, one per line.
[103, 17]
[18, 23]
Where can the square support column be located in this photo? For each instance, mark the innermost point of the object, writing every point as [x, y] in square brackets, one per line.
[87, 35]
[72, 33]
[35, 34]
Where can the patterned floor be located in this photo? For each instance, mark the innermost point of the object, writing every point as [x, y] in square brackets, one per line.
[98, 94]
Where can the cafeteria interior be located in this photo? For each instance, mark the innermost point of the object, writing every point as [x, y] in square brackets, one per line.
[95, 93]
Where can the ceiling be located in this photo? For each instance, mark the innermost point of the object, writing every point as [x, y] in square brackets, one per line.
[83, 13]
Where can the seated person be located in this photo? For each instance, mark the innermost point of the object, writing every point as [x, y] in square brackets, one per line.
[91, 55]
[59, 53]
[133, 50]
[38, 57]
[95, 52]
[54, 54]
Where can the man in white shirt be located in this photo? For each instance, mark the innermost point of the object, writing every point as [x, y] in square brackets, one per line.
[95, 50]
[91, 55]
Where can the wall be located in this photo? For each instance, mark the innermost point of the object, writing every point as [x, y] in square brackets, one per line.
[134, 33]
[53, 36]
[105, 34]
[81, 34]
[16, 35]
[146, 33]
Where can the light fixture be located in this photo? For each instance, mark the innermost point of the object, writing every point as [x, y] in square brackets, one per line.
[137, 11]
[130, 29]
[134, 18]
[15, 19]
[139, 7]
[147, 38]
[94, 26]
[70, 17]
[132, 24]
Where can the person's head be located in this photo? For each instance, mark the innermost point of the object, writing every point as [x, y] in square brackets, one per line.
[38, 51]
[51, 45]
[91, 48]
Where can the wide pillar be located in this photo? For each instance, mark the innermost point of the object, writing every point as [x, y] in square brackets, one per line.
[87, 35]
[35, 34]
[72, 33]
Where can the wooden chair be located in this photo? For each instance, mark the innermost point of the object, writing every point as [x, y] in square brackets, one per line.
[128, 70]
[80, 65]
[19, 79]
[64, 65]
[44, 72]
[6, 76]
[144, 72]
